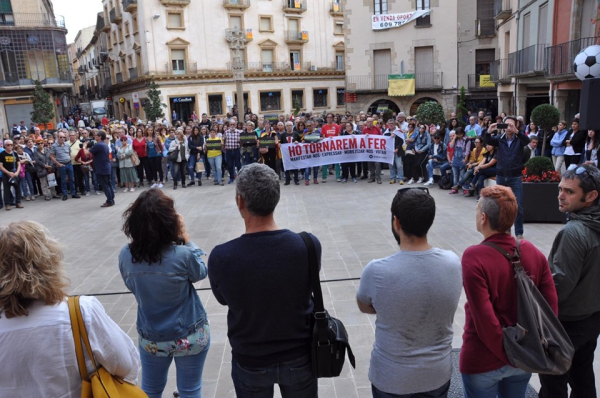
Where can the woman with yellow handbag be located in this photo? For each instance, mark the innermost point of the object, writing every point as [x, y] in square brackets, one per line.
[38, 350]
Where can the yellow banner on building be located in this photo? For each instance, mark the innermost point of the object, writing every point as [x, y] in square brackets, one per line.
[401, 85]
[297, 4]
[484, 81]
[248, 34]
[304, 35]
[336, 6]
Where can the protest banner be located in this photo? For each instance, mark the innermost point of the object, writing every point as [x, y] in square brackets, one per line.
[267, 142]
[248, 139]
[213, 144]
[344, 149]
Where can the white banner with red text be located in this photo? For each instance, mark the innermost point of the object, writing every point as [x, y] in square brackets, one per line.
[345, 149]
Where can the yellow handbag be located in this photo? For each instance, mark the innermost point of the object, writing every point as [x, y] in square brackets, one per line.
[100, 383]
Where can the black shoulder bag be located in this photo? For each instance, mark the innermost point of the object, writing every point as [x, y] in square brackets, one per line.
[329, 337]
[538, 342]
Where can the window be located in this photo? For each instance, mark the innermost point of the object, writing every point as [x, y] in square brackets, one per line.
[215, 104]
[270, 101]
[134, 23]
[121, 36]
[483, 59]
[341, 97]
[381, 6]
[320, 97]
[115, 41]
[425, 20]
[338, 28]
[339, 60]
[178, 61]
[266, 59]
[175, 20]
[298, 99]
[265, 24]
[127, 33]
[235, 21]
[295, 60]
[294, 27]
[246, 103]
[543, 25]
[527, 30]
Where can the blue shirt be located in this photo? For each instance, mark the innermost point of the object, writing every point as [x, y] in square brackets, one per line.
[101, 161]
[168, 305]
[476, 127]
[151, 146]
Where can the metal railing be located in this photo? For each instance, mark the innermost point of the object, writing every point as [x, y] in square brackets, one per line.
[175, 2]
[367, 83]
[428, 81]
[100, 22]
[190, 68]
[112, 15]
[236, 3]
[31, 20]
[294, 5]
[530, 60]
[133, 73]
[502, 9]
[486, 27]
[119, 77]
[559, 58]
[294, 36]
[425, 20]
[474, 84]
[499, 71]
[129, 4]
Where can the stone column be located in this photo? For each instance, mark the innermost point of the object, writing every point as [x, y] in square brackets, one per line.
[560, 101]
[237, 42]
[521, 98]
[504, 103]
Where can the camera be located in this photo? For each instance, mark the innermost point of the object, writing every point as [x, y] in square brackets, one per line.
[502, 126]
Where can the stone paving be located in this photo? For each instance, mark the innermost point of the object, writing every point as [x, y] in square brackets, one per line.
[351, 220]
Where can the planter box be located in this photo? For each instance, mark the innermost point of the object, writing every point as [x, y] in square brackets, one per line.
[540, 203]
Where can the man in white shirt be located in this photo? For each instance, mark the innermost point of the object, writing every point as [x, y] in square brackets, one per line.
[402, 123]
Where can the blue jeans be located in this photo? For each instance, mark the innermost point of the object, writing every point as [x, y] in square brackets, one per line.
[457, 172]
[67, 170]
[479, 179]
[315, 173]
[191, 165]
[516, 185]
[86, 181]
[295, 380]
[506, 382]
[215, 164]
[248, 154]
[189, 374]
[441, 392]
[234, 160]
[397, 169]
[113, 178]
[27, 185]
[444, 168]
[433, 165]
[104, 180]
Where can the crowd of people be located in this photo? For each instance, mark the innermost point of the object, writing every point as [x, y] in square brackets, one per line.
[413, 293]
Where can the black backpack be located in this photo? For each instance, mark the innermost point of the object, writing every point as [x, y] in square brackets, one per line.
[445, 182]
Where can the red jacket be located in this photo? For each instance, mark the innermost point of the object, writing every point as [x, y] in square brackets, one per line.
[491, 290]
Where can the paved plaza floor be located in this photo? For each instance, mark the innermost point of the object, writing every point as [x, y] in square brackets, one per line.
[351, 220]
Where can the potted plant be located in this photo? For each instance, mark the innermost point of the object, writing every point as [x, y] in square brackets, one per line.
[540, 189]
[545, 116]
[430, 112]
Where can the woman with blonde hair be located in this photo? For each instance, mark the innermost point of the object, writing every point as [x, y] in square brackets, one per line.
[35, 326]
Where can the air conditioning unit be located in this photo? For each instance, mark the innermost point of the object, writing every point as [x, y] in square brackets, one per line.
[313, 67]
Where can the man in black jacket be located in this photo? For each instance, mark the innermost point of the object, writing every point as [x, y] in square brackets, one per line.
[575, 264]
[510, 144]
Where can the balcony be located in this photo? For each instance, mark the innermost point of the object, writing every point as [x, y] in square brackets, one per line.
[274, 67]
[336, 8]
[559, 58]
[248, 34]
[31, 20]
[502, 9]
[81, 90]
[100, 25]
[529, 61]
[428, 81]
[133, 73]
[367, 83]
[296, 37]
[114, 17]
[129, 5]
[119, 78]
[236, 4]
[475, 84]
[107, 83]
[182, 3]
[298, 6]
[486, 27]
[499, 71]
[189, 69]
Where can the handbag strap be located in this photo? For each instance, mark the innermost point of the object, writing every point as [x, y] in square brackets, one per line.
[80, 335]
[313, 266]
[515, 259]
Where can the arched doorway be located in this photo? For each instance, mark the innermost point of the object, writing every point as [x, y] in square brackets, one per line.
[417, 103]
[382, 105]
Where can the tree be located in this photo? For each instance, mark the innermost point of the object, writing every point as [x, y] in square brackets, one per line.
[545, 116]
[462, 106]
[43, 108]
[431, 113]
[153, 106]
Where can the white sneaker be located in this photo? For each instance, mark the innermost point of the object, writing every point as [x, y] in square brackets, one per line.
[87, 194]
[430, 182]
[126, 190]
[154, 185]
[160, 185]
[132, 190]
[420, 180]
[411, 181]
[97, 193]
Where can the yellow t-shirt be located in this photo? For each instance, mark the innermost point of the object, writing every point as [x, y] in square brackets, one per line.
[213, 153]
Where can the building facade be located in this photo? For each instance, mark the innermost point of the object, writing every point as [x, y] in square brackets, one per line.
[294, 55]
[426, 47]
[33, 47]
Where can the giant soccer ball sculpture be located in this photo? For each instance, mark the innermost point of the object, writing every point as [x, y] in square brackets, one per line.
[587, 63]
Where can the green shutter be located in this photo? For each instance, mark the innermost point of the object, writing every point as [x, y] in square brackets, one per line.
[5, 7]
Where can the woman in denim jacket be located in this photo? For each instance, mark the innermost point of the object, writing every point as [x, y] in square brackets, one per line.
[160, 266]
[558, 145]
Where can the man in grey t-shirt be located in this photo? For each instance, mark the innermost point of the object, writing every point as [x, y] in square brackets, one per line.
[415, 294]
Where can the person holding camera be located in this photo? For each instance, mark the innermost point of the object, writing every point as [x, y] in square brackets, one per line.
[10, 166]
[509, 165]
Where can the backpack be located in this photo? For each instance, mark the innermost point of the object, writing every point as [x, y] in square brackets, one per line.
[445, 182]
